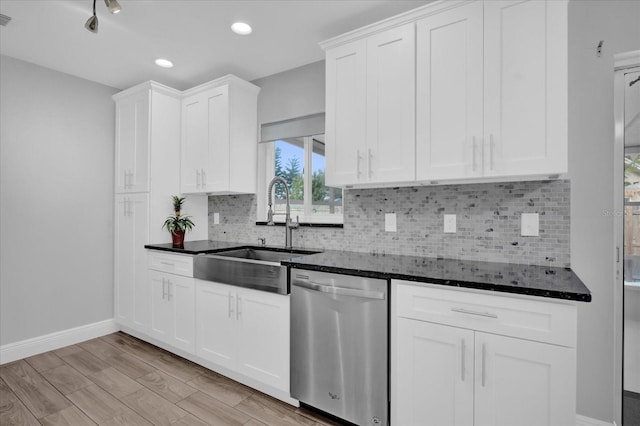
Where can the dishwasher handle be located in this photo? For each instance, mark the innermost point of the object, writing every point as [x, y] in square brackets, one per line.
[340, 291]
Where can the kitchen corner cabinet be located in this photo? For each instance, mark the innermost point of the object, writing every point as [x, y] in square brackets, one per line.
[130, 258]
[472, 358]
[245, 331]
[219, 137]
[370, 117]
[146, 175]
[492, 91]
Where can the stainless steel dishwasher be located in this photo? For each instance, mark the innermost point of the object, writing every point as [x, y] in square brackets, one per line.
[339, 345]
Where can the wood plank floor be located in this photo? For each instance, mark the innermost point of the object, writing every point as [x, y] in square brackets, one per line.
[120, 380]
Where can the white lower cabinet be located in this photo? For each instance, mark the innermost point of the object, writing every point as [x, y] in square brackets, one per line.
[130, 277]
[244, 330]
[466, 375]
[172, 309]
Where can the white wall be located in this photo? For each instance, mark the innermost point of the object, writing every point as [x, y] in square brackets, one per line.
[56, 193]
[591, 137]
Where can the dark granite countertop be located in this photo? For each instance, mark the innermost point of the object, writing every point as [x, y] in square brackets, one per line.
[534, 280]
[195, 247]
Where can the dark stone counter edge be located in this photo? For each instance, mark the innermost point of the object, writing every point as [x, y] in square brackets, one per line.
[579, 297]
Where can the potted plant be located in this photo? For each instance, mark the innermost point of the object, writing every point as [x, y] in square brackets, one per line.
[177, 225]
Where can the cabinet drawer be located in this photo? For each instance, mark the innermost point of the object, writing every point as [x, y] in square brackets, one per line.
[525, 317]
[178, 264]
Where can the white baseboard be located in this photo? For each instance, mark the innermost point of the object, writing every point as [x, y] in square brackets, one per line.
[48, 342]
[588, 421]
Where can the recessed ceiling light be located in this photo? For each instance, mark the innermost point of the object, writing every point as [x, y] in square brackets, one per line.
[241, 28]
[164, 63]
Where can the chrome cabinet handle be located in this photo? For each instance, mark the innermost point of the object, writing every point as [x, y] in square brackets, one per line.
[197, 178]
[369, 166]
[462, 360]
[169, 295]
[238, 307]
[166, 263]
[341, 291]
[467, 311]
[230, 305]
[484, 364]
[473, 154]
[203, 177]
[358, 158]
[491, 144]
[164, 292]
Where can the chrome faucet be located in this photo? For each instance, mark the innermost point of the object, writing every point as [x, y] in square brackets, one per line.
[288, 224]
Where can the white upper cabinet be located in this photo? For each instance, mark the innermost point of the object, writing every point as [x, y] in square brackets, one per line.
[452, 91]
[492, 91]
[345, 113]
[370, 112]
[449, 94]
[132, 142]
[219, 137]
[525, 80]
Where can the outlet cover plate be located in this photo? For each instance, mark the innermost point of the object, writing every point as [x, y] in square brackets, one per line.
[390, 222]
[216, 218]
[530, 225]
[449, 223]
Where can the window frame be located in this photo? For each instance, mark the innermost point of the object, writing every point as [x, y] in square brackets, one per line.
[266, 171]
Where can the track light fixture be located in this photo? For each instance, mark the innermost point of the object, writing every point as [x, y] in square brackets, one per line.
[113, 6]
[92, 22]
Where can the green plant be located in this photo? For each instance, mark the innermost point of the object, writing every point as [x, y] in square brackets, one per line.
[178, 223]
[177, 204]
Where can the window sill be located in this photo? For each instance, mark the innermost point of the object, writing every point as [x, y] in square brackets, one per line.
[306, 225]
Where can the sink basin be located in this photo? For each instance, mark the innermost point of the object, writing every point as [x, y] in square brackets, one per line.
[263, 254]
[252, 267]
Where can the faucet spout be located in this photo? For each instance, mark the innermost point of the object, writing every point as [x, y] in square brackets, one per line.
[289, 226]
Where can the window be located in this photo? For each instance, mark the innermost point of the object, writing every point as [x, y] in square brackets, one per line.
[300, 161]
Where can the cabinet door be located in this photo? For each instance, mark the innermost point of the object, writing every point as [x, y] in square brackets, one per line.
[449, 94]
[525, 74]
[132, 143]
[181, 295]
[161, 307]
[263, 337]
[216, 326]
[193, 144]
[215, 175]
[523, 382]
[390, 96]
[130, 270]
[432, 374]
[346, 114]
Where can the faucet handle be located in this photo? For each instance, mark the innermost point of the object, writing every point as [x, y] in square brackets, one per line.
[263, 241]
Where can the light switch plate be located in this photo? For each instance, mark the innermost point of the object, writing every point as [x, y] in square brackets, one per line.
[390, 222]
[216, 218]
[530, 225]
[449, 223]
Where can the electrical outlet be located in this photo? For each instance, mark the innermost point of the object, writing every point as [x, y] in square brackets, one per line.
[449, 223]
[390, 222]
[216, 218]
[530, 225]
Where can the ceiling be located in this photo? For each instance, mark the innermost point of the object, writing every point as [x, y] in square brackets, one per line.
[194, 34]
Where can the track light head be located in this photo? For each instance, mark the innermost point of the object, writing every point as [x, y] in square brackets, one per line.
[92, 24]
[113, 6]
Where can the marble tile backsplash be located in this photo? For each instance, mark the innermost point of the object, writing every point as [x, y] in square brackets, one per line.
[488, 222]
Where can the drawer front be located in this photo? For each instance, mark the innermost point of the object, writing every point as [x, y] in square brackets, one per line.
[179, 264]
[525, 317]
